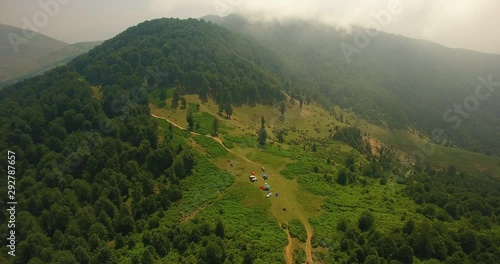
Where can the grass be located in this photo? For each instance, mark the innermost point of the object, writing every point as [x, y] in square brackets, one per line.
[228, 144]
[204, 123]
[299, 256]
[317, 184]
[308, 196]
[204, 186]
[472, 163]
[347, 202]
[213, 148]
[292, 170]
[246, 141]
[251, 224]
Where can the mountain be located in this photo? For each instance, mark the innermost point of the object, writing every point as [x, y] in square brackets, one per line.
[23, 56]
[140, 151]
[402, 82]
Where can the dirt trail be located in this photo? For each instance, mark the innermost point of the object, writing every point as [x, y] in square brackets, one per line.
[214, 138]
[288, 249]
[308, 243]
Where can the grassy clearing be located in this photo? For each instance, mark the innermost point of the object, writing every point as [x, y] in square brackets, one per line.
[203, 123]
[246, 141]
[317, 184]
[291, 152]
[472, 163]
[170, 133]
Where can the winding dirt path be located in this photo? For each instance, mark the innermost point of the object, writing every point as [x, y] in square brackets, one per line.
[288, 249]
[214, 138]
[308, 243]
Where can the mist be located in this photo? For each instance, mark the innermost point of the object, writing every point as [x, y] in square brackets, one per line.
[453, 23]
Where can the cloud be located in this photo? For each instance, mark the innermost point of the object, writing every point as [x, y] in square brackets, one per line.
[470, 24]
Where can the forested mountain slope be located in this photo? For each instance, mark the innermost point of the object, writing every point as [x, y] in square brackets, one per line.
[24, 54]
[91, 166]
[201, 57]
[98, 180]
[394, 80]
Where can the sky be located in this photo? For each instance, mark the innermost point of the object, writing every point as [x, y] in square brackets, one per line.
[467, 24]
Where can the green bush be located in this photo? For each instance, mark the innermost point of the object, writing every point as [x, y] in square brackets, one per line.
[213, 148]
[365, 221]
[297, 230]
[242, 141]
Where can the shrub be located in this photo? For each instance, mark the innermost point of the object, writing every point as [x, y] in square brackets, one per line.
[342, 225]
[383, 181]
[342, 177]
[365, 221]
[297, 230]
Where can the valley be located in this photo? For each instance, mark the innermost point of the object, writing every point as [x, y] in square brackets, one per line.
[140, 150]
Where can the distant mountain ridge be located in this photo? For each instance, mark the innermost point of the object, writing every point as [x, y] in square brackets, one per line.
[22, 56]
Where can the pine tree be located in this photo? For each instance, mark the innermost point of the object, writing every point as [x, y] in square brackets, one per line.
[190, 120]
[119, 241]
[219, 229]
[262, 137]
[215, 127]
[175, 99]
[229, 110]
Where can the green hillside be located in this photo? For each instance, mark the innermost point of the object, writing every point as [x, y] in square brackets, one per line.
[140, 151]
[394, 80]
[23, 57]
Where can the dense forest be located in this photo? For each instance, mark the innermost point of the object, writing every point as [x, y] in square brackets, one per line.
[98, 180]
[195, 57]
[90, 166]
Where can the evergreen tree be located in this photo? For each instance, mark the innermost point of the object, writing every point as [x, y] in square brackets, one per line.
[219, 229]
[342, 177]
[215, 127]
[262, 137]
[365, 221]
[229, 110]
[175, 99]
[190, 120]
[163, 95]
[119, 241]
[183, 103]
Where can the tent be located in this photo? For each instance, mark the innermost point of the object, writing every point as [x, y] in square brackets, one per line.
[264, 176]
[263, 169]
[252, 178]
[253, 172]
[261, 187]
[267, 186]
